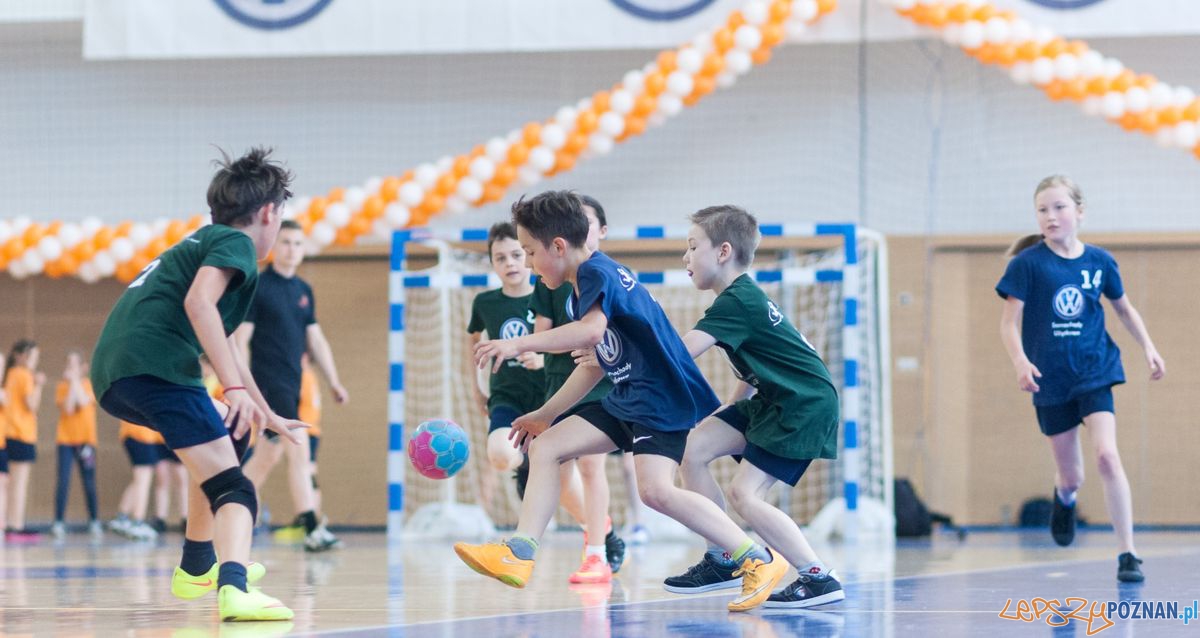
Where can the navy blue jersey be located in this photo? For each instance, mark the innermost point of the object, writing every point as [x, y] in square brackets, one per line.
[655, 383]
[1063, 322]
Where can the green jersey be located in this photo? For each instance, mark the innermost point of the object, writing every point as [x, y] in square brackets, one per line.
[148, 331]
[505, 317]
[552, 304]
[794, 412]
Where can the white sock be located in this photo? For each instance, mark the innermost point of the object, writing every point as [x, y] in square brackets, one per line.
[595, 550]
[1067, 499]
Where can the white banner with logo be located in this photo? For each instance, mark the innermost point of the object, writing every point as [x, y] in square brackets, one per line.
[116, 29]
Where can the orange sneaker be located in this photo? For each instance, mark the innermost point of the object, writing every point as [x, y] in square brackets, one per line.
[593, 570]
[758, 580]
[497, 561]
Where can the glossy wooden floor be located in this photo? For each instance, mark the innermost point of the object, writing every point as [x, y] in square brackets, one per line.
[938, 587]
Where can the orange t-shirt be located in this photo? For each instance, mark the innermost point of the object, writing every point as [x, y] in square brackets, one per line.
[138, 433]
[22, 417]
[310, 402]
[78, 428]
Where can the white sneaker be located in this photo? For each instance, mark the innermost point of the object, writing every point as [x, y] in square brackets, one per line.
[321, 540]
[58, 530]
[96, 529]
[120, 526]
[140, 531]
[636, 534]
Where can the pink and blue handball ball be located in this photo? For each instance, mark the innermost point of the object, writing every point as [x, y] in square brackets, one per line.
[438, 449]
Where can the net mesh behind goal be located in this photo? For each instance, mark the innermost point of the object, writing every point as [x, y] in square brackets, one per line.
[439, 379]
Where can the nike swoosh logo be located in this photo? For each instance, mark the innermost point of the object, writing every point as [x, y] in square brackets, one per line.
[754, 593]
[194, 241]
[642, 438]
[507, 561]
[202, 583]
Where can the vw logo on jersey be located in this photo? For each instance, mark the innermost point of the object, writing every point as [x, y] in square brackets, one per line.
[662, 9]
[514, 328]
[272, 14]
[609, 348]
[773, 314]
[1065, 4]
[1068, 302]
[627, 280]
[570, 307]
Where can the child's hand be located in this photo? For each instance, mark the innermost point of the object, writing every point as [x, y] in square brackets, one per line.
[525, 428]
[1158, 367]
[1026, 373]
[283, 427]
[242, 412]
[499, 349]
[532, 360]
[585, 358]
[39, 378]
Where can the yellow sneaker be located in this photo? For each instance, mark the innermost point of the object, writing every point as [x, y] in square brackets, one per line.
[188, 587]
[237, 605]
[594, 570]
[758, 579]
[289, 534]
[497, 561]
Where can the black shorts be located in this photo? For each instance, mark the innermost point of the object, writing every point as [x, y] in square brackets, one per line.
[4, 460]
[21, 452]
[165, 454]
[314, 440]
[787, 470]
[502, 416]
[1056, 419]
[143, 453]
[633, 437]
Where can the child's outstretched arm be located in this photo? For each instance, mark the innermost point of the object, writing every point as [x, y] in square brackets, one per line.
[1136, 327]
[698, 342]
[585, 333]
[1010, 334]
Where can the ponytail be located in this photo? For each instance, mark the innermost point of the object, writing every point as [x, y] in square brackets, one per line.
[1023, 243]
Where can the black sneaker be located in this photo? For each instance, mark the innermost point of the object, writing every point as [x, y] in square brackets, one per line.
[1062, 522]
[522, 476]
[1128, 568]
[707, 575]
[158, 525]
[808, 590]
[614, 551]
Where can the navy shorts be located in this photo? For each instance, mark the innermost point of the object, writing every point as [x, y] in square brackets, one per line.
[182, 414]
[787, 470]
[502, 416]
[314, 440]
[21, 452]
[1056, 419]
[633, 437]
[165, 454]
[3, 460]
[143, 453]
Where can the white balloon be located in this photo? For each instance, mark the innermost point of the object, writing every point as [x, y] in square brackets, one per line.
[354, 198]
[121, 250]
[566, 115]
[1066, 67]
[689, 60]
[483, 168]
[1112, 67]
[634, 81]
[470, 189]
[747, 38]
[456, 204]
[612, 124]
[444, 164]
[1093, 105]
[621, 101]
[87, 273]
[1091, 64]
[1137, 100]
[1021, 30]
[725, 79]
[50, 248]
[21, 223]
[553, 136]
[1021, 72]
[756, 12]
[69, 235]
[703, 42]
[669, 105]
[1161, 95]
[381, 229]
[795, 30]
[528, 175]
[337, 214]
[542, 158]
[584, 105]
[1114, 105]
[396, 214]
[1042, 71]
[372, 184]
[1165, 137]
[806, 10]
[426, 175]
[496, 150]
[410, 194]
[16, 270]
[89, 225]
[32, 262]
[953, 34]
[997, 30]
[738, 61]
[600, 143]
[323, 233]
[1183, 97]
[140, 235]
[679, 84]
[159, 226]
[1043, 34]
[1186, 134]
[972, 34]
[105, 266]
[300, 204]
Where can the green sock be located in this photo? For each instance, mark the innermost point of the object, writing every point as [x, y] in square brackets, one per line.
[750, 549]
[523, 547]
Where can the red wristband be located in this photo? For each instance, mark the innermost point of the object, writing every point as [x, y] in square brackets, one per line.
[235, 387]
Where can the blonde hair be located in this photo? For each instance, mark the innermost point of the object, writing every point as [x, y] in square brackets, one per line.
[1054, 181]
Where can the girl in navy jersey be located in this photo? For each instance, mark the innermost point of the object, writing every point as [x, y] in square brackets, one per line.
[1053, 330]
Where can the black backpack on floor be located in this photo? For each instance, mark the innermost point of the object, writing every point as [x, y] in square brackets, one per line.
[913, 518]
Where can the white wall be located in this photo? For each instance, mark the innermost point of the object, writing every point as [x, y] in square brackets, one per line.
[133, 139]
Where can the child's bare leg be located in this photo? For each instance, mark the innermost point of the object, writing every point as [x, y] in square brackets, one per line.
[571, 438]
[747, 494]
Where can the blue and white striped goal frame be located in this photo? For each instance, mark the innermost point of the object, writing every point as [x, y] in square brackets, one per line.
[400, 279]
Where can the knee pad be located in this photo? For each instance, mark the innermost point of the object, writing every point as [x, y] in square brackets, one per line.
[314, 482]
[231, 486]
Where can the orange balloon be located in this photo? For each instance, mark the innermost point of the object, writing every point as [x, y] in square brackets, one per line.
[1146, 81]
[103, 237]
[408, 175]
[492, 193]
[418, 218]
[1129, 121]
[344, 236]
[1192, 111]
[576, 142]
[1196, 151]
[655, 83]
[585, 122]
[306, 225]
[461, 166]
[389, 189]
[477, 151]
[635, 125]
[1006, 54]
[1170, 116]
[54, 227]
[713, 65]
[1077, 47]
[984, 13]
[316, 208]
[985, 54]
[564, 161]
[532, 134]
[919, 14]
[123, 228]
[50, 269]
[13, 248]
[1148, 121]
[1124, 81]
[938, 16]
[736, 19]
[703, 85]
[1028, 51]
[781, 10]
[125, 273]
[1056, 90]
[446, 184]
[644, 105]
[960, 12]
[139, 262]
[761, 55]
[336, 194]
[84, 251]
[518, 152]
[1054, 48]
[175, 231]
[158, 246]
[373, 207]
[68, 264]
[690, 100]
[1098, 85]
[195, 221]
[505, 174]
[723, 39]
[1077, 89]
[600, 101]
[433, 204]
[826, 6]
[359, 225]
[772, 34]
[666, 61]
[33, 234]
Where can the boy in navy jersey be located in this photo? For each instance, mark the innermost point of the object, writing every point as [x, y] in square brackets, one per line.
[658, 395]
[1053, 330]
